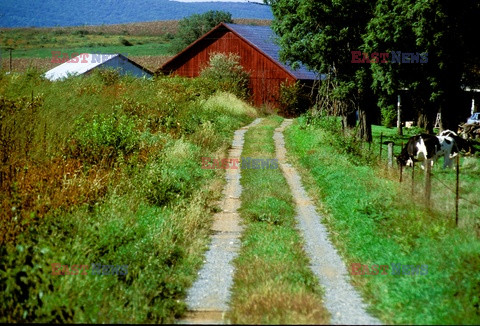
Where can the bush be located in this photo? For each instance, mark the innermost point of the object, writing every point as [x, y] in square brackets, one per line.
[125, 42]
[80, 32]
[126, 146]
[175, 175]
[293, 99]
[227, 74]
[108, 76]
[104, 136]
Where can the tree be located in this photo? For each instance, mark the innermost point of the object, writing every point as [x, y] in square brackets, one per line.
[448, 30]
[322, 34]
[445, 30]
[391, 30]
[196, 25]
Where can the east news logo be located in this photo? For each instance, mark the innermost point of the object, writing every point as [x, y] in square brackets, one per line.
[97, 269]
[397, 57]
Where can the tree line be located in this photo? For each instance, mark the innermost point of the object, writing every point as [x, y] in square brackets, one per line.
[434, 43]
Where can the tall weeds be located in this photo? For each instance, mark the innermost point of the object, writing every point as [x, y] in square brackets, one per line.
[106, 169]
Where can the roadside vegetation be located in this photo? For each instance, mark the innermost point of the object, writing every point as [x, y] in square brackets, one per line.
[273, 283]
[374, 220]
[106, 170]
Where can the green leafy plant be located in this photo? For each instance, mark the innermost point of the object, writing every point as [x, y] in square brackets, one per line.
[227, 74]
[104, 136]
[389, 116]
[293, 99]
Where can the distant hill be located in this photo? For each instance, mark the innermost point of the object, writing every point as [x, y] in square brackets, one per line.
[49, 13]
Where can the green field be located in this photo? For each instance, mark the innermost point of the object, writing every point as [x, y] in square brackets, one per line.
[30, 43]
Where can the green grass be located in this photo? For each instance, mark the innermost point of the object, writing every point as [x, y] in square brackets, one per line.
[373, 220]
[443, 182]
[273, 283]
[107, 170]
[38, 43]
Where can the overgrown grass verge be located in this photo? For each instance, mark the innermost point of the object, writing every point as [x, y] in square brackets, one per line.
[374, 221]
[273, 283]
[443, 180]
[106, 170]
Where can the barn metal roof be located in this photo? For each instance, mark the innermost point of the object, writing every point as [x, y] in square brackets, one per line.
[83, 63]
[260, 37]
[263, 38]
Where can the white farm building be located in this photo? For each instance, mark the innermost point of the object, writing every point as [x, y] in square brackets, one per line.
[86, 62]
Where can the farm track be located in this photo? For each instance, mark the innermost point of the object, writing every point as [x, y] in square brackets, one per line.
[341, 299]
[207, 299]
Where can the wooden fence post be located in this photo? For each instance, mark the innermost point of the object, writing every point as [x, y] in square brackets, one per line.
[428, 181]
[457, 190]
[381, 143]
[401, 166]
[413, 178]
[390, 155]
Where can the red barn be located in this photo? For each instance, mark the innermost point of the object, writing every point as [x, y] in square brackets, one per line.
[259, 55]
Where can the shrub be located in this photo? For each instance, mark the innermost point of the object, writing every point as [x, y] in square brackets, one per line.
[293, 99]
[174, 176]
[228, 75]
[108, 76]
[80, 32]
[104, 136]
[125, 42]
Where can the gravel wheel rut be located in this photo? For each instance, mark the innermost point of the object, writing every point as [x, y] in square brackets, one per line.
[341, 299]
[208, 298]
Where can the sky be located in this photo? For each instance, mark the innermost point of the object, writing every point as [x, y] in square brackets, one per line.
[257, 1]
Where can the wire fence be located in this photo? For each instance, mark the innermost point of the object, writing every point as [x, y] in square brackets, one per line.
[448, 184]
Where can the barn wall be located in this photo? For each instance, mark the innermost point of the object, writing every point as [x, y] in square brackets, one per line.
[265, 75]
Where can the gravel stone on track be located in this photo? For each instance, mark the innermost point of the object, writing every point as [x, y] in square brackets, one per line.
[341, 298]
[208, 298]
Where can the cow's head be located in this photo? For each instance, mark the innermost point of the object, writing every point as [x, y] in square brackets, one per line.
[403, 159]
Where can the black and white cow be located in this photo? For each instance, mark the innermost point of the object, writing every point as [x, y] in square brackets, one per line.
[425, 146]
[461, 144]
[418, 148]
